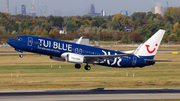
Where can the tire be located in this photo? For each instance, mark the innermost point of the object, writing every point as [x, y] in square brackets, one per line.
[20, 55]
[87, 67]
[77, 66]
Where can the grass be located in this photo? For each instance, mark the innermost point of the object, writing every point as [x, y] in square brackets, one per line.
[35, 72]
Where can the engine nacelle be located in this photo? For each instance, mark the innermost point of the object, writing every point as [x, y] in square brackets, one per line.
[73, 58]
[57, 58]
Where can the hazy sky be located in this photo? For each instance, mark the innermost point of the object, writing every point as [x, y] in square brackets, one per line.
[82, 7]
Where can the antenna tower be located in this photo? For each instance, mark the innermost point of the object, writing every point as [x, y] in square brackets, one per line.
[33, 8]
[7, 6]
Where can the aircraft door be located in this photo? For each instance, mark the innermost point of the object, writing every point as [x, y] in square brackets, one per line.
[134, 61]
[30, 41]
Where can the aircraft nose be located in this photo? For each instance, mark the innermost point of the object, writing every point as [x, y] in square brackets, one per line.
[10, 41]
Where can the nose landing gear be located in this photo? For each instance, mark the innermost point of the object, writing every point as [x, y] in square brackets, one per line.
[20, 55]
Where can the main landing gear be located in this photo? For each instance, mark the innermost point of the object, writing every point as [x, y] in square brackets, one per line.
[78, 66]
[87, 67]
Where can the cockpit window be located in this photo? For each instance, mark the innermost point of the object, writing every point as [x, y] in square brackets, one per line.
[18, 38]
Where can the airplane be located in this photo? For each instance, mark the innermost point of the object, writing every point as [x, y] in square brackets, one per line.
[78, 53]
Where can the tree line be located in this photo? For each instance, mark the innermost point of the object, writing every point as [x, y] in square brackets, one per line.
[106, 28]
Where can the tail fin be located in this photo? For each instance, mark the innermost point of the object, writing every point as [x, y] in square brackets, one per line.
[150, 47]
[79, 40]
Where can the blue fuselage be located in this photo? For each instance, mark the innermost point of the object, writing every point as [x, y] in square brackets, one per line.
[56, 48]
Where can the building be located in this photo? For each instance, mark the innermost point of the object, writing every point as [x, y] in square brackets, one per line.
[23, 10]
[165, 9]
[127, 28]
[158, 10]
[152, 10]
[92, 11]
[32, 14]
[103, 13]
[62, 30]
[124, 12]
[84, 41]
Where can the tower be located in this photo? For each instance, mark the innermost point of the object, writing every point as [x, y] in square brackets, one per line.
[158, 9]
[103, 13]
[23, 10]
[33, 8]
[7, 6]
[92, 9]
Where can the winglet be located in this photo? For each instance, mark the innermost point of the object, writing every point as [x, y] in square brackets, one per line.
[79, 40]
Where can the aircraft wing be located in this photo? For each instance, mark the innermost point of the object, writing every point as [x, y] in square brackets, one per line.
[150, 60]
[102, 57]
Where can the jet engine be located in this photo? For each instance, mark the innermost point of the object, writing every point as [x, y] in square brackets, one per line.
[57, 58]
[73, 58]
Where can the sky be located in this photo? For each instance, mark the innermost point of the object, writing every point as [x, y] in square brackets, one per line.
[82, 7]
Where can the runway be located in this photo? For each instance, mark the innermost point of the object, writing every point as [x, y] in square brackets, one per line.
[91, 94]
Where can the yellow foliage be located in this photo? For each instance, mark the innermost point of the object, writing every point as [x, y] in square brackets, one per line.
[175, 27]
[51, 32]
[38, 33]
[123, 19]
[28, 32]
[159, 16]
[42, 33]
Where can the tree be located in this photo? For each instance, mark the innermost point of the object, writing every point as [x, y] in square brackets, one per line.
[150, 20]
[70, 27]
[116, 26]
[172, 14]
[158, 16]
[58, 21]
[75, 23]
[2, 30]
[38, 33]
[97, 22]
[138, 16]
[176, 31]
[136, 37]
[123, 19]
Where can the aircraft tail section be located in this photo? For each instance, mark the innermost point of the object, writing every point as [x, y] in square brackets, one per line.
[150, 47]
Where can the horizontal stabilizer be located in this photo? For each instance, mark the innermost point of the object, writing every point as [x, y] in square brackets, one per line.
[150, 60]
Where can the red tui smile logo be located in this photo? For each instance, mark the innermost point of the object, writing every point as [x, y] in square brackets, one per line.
[147, 46]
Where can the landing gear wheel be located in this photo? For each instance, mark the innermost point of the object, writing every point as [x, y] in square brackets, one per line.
[87, 67]
[77, 66]
[20, 55]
